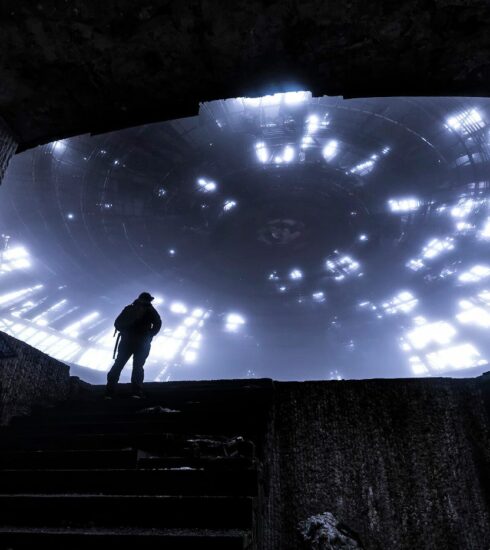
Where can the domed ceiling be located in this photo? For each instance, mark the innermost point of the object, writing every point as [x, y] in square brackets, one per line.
[287, 236]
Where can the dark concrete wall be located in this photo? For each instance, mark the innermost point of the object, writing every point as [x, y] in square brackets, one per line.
[28, 377]
[404, 463]
[8, 146]
[73, 67]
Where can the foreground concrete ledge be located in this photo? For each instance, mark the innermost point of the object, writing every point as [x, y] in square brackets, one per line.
[29, 378]
[403, 463]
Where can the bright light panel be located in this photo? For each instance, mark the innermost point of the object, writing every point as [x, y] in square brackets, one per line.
[312, 124]
[206, 185]
[404, 205]
[439, 332]
[363, 168]
[330, 149]
[403, 302]
[485, 231]
[462, 356]
[464, 207]
[262, 152]
[288, 154]
[234, 322]
[475, 274]
[289, 98]
[436, 247]
[466, 122]
[178, 307]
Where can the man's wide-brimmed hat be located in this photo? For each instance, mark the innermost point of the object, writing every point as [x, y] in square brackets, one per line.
[146, 297]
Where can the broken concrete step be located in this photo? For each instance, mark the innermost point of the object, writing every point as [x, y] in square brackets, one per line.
[129, 511]
[215, 390]
[115, 405]
[111, 414]
[163, 442]
[116, 459]
[220, 463]
[167, 539]
[176, 423]
[48, 459]
[182, 481]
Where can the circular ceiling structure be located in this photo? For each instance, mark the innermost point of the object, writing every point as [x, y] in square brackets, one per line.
[287, 236]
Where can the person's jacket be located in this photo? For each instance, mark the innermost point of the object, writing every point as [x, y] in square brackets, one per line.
[148, 322]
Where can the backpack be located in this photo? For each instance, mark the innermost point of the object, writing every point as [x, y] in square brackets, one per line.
[126, 320]
[129, 317]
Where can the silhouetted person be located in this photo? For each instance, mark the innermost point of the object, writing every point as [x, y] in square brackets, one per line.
[137, 324]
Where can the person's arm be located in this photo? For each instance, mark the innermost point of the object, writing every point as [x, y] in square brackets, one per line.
[156, 323]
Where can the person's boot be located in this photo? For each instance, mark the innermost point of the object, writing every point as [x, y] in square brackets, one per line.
[109, 393]
[137, 393]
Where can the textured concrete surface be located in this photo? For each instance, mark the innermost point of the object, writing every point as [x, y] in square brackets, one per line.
[8, 146]
[73, 67]
[403, 463]
[29, 378]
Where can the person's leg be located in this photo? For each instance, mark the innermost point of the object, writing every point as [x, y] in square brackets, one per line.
[141, 352]
[124, 352]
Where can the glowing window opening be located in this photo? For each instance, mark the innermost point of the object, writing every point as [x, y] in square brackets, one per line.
[403, 302]
[341, 266]
[234, 322]
[466, 122]
[475, 274]
[178, 308]
[462, 356]
[206, 186]
[262, 152]
[439, 332]
[229, 205]
[404, 205]
[330, 150]
[484, 233]
[363, 168]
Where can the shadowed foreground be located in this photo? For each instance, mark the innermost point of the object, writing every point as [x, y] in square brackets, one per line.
[392, 463]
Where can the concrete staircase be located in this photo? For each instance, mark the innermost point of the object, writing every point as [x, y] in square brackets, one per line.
[176, 470]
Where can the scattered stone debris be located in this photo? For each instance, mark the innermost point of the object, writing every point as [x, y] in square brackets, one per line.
[324, 532]
[229, 447]
[157, 410]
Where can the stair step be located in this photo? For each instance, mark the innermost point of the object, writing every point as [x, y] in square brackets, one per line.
[169, 539]
[138, 511]
[215, 390]
[114, 458]
[215, 463]
[246, 418]
[97, 403]
[103, 458]
[221, 424]
[104, 406]
[129, 410]
[91, 472]
[163, 442]
[134, 428]
[130, 482]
